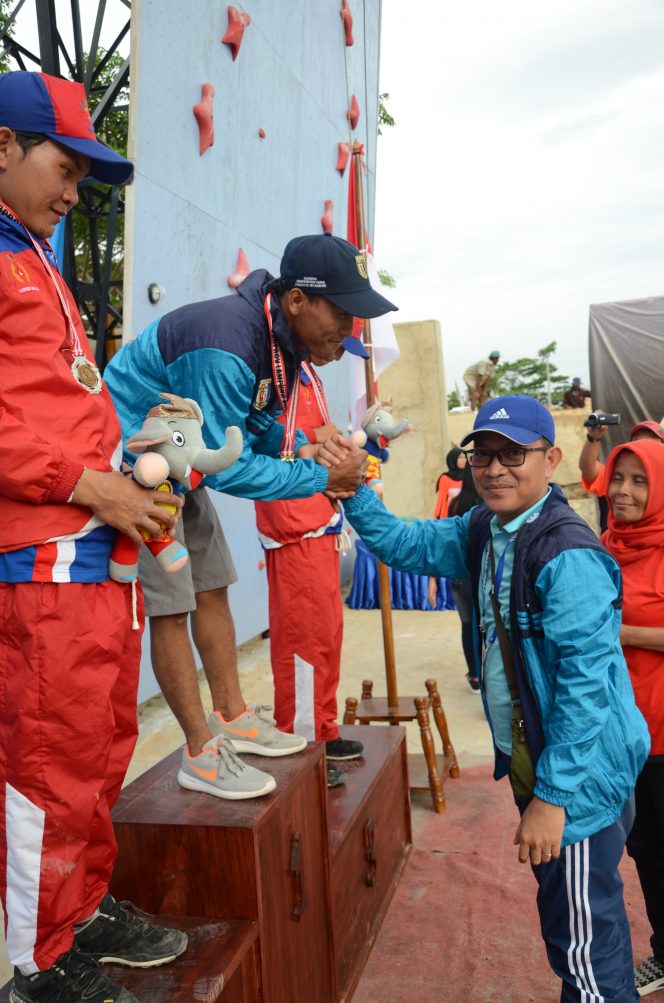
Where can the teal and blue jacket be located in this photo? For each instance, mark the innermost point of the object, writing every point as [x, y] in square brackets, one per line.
[218, 353]
[587, 738]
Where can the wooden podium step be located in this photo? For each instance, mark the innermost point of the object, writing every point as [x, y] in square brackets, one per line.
[263, 860]
[219, 964]
[370, 838]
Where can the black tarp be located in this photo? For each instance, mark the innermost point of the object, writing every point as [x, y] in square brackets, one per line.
[626, 349]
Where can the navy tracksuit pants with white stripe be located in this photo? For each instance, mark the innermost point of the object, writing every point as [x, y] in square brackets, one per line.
[583, 920]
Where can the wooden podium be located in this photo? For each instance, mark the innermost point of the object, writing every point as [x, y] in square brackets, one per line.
[313, 870]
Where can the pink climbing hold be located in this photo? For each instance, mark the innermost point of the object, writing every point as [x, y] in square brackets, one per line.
[237, 22]
[242, 269]
[347, 19]
[353, 113]
[261, 133]
[327, 219]
[342, 158]
[204, 113]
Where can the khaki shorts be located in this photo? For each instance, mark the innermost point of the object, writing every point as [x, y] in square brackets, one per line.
[210, 565]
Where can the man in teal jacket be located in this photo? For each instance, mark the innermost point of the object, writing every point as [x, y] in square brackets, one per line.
[554, 681]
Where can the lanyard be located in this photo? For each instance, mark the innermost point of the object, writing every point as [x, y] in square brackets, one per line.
[288, 404]
[83, 371]
[318, 392]
[488, 641]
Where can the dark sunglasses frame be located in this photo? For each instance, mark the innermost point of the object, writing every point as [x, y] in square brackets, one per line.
[498, 454]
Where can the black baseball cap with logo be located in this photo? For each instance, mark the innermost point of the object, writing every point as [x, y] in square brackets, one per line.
[325, 265]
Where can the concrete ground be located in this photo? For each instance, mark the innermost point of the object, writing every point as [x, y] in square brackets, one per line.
[427, 644]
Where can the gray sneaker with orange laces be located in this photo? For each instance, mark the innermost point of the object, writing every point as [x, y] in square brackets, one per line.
[253, 732]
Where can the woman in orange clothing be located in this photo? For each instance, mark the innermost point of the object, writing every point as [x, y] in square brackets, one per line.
[635, 537]
[449, 482]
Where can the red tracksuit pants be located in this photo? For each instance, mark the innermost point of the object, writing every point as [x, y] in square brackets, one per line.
[306, 630]
[69, 665]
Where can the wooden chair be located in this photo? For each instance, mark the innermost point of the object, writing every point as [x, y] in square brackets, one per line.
[428, 771]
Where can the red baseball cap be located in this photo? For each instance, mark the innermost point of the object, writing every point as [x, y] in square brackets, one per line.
[649, 426]
[58, 109]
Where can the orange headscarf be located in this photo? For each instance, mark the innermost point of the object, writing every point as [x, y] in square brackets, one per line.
[638, 547]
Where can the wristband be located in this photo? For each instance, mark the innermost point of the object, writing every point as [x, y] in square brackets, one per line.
[590, 438]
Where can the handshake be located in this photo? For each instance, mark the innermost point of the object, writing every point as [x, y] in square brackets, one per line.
[344, 459]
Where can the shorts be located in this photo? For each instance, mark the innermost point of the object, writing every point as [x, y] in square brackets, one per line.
[210, 565]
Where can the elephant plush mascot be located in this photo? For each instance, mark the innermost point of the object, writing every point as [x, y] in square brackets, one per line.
[380, 430]
[173, 458]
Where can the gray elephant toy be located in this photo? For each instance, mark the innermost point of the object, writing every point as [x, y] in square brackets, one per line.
[379, 431]
[177, 461]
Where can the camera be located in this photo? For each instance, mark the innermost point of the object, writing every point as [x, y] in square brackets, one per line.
[596, 418]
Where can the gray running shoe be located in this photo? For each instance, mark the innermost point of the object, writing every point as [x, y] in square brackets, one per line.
[218, 771]
[252, 732]
[73, 978]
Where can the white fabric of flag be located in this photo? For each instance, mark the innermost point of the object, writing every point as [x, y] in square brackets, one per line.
[385, 352]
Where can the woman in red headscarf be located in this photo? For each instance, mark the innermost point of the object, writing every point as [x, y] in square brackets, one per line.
[635, 537]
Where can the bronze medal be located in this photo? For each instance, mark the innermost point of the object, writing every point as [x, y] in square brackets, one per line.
[87, 374]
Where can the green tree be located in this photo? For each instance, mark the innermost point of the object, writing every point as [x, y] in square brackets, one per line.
[384, 117]
[5, 60]
[537, 376]
[453, 400]
[386, 279]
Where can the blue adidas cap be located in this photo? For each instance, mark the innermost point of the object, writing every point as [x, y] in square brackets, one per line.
[328, 266]
[516, 416]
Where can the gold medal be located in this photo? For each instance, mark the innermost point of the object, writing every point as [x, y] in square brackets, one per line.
[87, 374]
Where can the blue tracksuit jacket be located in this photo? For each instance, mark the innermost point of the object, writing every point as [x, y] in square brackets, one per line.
[587, 738]
[218, 353]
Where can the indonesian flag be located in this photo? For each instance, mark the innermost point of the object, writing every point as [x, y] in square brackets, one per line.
[383, 342]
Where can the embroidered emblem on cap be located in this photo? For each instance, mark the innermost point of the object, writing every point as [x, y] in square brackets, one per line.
[500, 413]
[361, 265]
[263, 395]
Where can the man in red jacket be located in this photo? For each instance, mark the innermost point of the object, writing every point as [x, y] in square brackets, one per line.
[68, 656]
[301, 540]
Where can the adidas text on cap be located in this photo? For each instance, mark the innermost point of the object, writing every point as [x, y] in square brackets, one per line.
[324, 265]
[516, 416]
[58, 109]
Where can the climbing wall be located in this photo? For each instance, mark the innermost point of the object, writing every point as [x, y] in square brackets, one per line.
[241, 120]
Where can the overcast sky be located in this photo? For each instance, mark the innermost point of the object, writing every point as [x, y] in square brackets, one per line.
[523, 180]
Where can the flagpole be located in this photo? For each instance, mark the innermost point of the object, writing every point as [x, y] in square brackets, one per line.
[383, 570]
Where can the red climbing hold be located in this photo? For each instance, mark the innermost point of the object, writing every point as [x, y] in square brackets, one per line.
[327, 219]
[342, 159]
[261, 133]
[237, 22]
[242, 269]
[205, 117]
[353, 113]
[347, 19]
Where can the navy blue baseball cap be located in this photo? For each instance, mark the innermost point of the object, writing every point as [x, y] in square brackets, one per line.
[325, 265]
[58, 109]
[516, 416]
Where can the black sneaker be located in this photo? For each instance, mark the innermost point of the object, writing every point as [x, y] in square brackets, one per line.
[649, 975]
[73, 978]
[344, 748]
[120, 934]
[335, 776]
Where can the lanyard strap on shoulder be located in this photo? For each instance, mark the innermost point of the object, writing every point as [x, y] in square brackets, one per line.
[503, 636]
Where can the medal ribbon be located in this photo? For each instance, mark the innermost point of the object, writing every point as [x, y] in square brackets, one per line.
[288, 404]
[318, 392]
[74, 345]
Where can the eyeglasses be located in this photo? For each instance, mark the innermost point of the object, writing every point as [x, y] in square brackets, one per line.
[512, 456]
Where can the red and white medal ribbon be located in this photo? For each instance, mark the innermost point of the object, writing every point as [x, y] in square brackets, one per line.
[288, 404]
[83, 370]
[318, 392]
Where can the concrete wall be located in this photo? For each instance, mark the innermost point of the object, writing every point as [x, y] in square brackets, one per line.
[416, 383]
